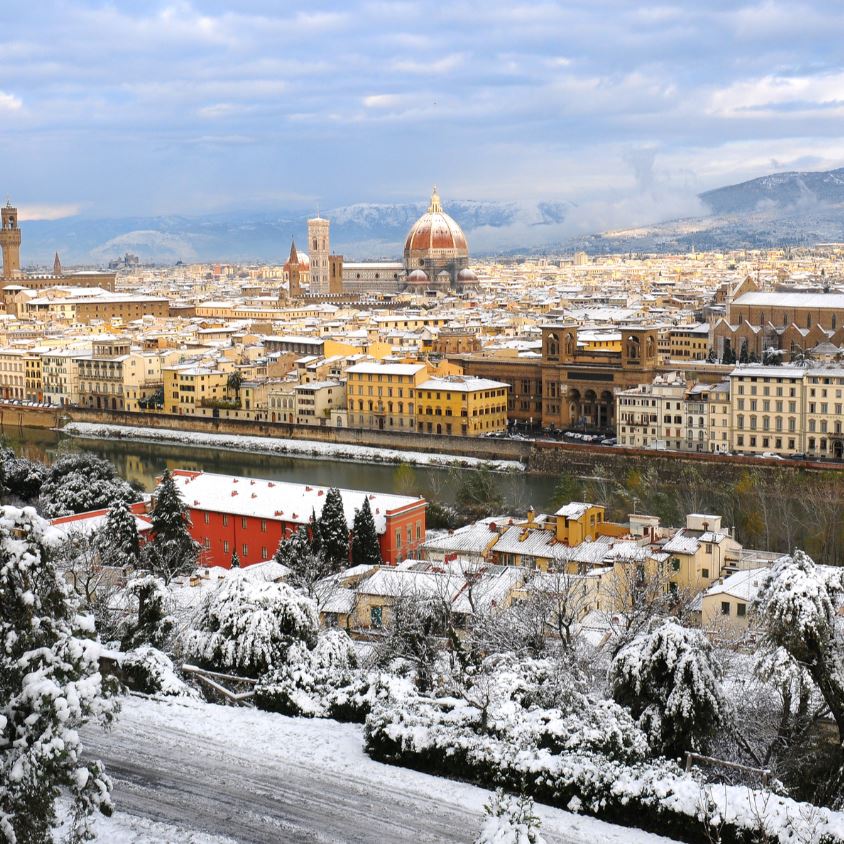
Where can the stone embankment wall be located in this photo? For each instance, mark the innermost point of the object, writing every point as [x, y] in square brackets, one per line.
[480, 447]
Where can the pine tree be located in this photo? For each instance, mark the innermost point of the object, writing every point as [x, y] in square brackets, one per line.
[235, 561]
[366, 550]
[172, 550]
[50, 686]
[333, 530]
[118, 543]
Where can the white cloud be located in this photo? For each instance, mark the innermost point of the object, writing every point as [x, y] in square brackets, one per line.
[48, 212]
[761, 97]
[9, 102]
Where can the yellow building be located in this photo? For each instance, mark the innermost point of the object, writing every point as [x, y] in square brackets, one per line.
[461, 405]
[382, 396]
[689, 342]
[726, 605]
[13, 373]
[189, 387]
[699, 553]
[34, 375]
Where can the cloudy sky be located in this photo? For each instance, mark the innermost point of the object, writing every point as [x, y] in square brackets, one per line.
[178, 107]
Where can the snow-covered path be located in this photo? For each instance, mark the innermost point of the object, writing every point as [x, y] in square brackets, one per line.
[258, 777]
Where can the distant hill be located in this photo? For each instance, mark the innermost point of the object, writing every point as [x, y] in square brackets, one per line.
[779, 191]
[794, 208]
[359, 231]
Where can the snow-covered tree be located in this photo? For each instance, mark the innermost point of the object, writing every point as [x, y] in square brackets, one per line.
[510, 820]
[172, 550]
[235, 560]
[797, 611]
[366, 550]
[148, 621]
[50, 686]
[668, 678]
[118, 542]
[247, 626]
[306, 567]
[333, 530]
[78, 483]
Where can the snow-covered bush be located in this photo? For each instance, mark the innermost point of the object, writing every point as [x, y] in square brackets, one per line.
[441, 736]
[668, 678]
[353, 702]
[21, 478]
[247, 627]
[148, 670]
[510, 820]
[304, 683]
[538, 703]
[78, 483]
[50, 686]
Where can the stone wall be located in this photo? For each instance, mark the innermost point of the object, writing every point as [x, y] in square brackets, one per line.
[480, 447]
[19, 416]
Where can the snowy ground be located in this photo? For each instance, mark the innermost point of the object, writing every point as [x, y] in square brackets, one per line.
[205, 774]
[278, 445]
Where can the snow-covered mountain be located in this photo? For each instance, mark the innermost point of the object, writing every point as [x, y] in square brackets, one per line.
[358, 231]
[794, 208]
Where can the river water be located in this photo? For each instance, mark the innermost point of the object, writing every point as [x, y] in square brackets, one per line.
[141, 462]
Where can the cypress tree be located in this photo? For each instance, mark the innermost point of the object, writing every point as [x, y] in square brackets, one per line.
[333, 530]
[235, 562]
[313, 531]
[366, 549]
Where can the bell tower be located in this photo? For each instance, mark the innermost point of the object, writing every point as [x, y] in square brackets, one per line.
[10, 240]
[318, 252]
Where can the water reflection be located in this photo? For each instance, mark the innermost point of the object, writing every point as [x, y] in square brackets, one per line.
[141, 462]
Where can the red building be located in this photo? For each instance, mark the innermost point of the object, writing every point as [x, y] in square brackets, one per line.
[94, 520]
[251, 516]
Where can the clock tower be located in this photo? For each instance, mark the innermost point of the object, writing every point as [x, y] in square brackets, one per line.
[10, 240]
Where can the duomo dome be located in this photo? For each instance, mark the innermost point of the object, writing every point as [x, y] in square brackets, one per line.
[436, 245]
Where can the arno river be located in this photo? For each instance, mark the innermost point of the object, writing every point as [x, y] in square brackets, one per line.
[141, 462]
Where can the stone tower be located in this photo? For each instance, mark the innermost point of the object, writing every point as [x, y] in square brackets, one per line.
[57, 265]
[10, 240]
[318, 251]
[294, 280]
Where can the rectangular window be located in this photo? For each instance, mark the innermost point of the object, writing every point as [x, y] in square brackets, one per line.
[244, 522]
[704, 573]
[741, 610]
[263, 525]
[725, 607]
[245, 549]
[375, 618]
[225, 520]
[264, 552]
[398, 538]
[207, 517]
[225, 547]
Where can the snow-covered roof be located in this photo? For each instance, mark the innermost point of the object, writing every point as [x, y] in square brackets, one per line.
[461, 383]
[744, 585]
[573, 510]
[543, 544]
[687, 541]
[791, 300]
[472, 539]
[277, 500]
[386, 368]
